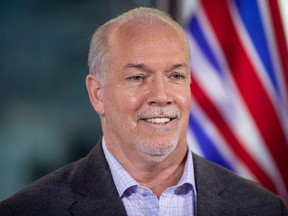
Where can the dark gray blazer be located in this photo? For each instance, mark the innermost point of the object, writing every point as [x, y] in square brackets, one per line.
[86, 188]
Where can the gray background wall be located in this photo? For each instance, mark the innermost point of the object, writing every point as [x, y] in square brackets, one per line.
[46, 119]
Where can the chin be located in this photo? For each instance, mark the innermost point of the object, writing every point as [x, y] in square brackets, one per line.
[156, 152]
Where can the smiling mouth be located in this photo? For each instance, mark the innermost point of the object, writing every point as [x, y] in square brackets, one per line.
[158, 120]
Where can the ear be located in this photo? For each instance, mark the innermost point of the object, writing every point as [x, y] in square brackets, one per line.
[94, 89]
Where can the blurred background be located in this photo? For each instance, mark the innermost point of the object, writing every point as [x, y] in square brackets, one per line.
[46, 119]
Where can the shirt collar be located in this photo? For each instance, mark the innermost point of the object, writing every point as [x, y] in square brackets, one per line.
[188, 173]
[123, 179]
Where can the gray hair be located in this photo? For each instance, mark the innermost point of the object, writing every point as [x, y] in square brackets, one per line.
[99, 46]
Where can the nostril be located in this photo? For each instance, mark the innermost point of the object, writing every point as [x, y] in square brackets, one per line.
[160, 102]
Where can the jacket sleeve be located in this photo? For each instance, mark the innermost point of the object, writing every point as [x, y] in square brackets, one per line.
[5, 209]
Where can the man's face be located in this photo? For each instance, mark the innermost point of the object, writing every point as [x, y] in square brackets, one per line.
[146, 98]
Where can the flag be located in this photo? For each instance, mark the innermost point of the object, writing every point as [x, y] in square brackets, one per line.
[239, 72]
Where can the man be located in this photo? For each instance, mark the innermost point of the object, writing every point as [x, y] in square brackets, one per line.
[139, 84]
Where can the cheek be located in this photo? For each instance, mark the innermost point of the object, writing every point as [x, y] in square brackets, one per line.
[124, 101]
[184, 99]
[132, 101]
[184, 103]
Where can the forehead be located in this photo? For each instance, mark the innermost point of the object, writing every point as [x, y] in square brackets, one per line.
[138, 29]
[134, 39]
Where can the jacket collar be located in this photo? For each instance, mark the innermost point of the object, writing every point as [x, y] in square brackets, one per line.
[96, 191]
[94, 186]
[209, 190]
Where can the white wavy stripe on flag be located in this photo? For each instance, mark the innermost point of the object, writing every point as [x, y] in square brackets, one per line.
[242, 124]
[271, 168]
[200, 71]
[211, 130]
[193, 144]
[279, 72]
[236, 114]
[271, 38]
[251, 52]
[256, 148]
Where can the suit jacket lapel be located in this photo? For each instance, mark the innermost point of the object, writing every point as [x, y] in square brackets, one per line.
[95, 189]
[97, 194]
[209, 189]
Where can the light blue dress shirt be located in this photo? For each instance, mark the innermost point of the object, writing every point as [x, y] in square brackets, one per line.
[178, 200]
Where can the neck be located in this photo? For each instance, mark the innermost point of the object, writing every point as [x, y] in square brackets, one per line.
[161, 177]
[157, 176]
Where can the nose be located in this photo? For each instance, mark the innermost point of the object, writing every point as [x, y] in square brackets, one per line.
[159, 92]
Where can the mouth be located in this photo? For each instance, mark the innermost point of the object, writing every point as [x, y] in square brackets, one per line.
[158, 120]
[159, 116]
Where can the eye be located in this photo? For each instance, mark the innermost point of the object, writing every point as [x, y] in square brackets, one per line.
[136, 78]
[177, 76]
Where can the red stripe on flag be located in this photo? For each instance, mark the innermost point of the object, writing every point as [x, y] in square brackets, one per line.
[229, 136]
[251, 89]
[280, 38]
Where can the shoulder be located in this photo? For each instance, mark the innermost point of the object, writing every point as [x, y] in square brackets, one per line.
[57, 191]
[223, 177]
[237, 192]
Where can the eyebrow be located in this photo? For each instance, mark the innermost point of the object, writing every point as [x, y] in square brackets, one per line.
[143, 67]
[176, 66]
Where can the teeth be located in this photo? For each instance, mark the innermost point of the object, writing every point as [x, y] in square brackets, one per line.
[158, 120]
